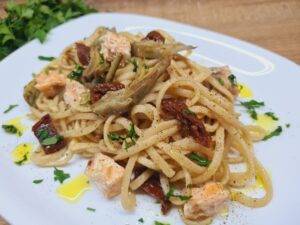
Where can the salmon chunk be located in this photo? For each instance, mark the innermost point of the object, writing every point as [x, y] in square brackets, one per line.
[74, 92]
[113, 44]
[106, 174]
[207, 200]
[50, 84]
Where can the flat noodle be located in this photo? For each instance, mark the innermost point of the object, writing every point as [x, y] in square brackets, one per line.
[144, 136]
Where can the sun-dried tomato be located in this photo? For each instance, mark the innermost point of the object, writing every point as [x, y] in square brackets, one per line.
[101, 89]
[155, 36]
[43, 130]
[190, 123]
[83, 53]
[153, 188]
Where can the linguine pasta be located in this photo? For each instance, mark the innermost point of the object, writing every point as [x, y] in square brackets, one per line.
[158, 145]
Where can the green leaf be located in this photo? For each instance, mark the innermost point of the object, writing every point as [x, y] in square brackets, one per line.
[11, 129]
[10, 107]
[52, 140]
[41, 35]
[91, 209]
[27, 13]
[46, 58]
[132, 133]
[37, 181]
[172, 194]
[141, 220]
[221, 81]
[76, 74]
[251, 106]
[287, 125]
[189, 112]
[160, 223]
[200, 160]
[274, 133]
[135, 65]
[272, 115]
[115, 137]
[60, 175]
[22, 161]
[232, 80]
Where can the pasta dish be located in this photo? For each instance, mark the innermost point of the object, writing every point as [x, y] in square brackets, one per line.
[149, 120]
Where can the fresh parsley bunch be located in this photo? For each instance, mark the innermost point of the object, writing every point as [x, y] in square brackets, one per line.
[34, 19]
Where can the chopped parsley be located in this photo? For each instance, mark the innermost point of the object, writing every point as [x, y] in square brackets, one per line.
[221, 81]
[38, 181]
[160, 223]
[52, 140]
[130, 138]
[115, 137]
[10, 107]
[232, 80]
[22, 161]
[60, 175]
[101, 59]
[188, 112]
[11, 129]
[199, 159]
[251, 106]
[76, 74]
[274, 133]
[135, 65]
[46, 58]
[172, 194]
[34, 19]
[287, 125]
[272, 115]
[141, 220]
[91, 209]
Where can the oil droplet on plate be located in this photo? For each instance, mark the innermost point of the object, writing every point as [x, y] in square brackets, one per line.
[21, 154]
[17, 123]
[245, 91]
[266, 122]
[74, 189]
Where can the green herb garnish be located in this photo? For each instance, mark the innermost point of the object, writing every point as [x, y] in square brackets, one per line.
[200, 160]
[115, 137]
[287, 125]
[22, 161]
[132, 135]
[52, 140]
[274, 133]
[135, 65]
[76, 74]
[37, 181]
[91, 209]
[220, 80]
[11, 129]
[172, 194]
[60, 175]
[141, 220]
[251, 106]
[160, 223]
[101, 59]
[10, 107]
[188, 112]
[232, 80]
[34, 19]
[272, 115]
[46, 58]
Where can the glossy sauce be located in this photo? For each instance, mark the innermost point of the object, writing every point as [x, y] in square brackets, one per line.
[245, 91]
[17, 123]
[74, 189]
[22, 151]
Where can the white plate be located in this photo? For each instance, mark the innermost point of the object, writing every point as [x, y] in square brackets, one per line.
[273, 79]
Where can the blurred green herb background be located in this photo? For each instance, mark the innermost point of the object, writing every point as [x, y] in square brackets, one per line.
[34, 19]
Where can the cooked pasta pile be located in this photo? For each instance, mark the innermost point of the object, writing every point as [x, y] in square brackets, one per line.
[143, 135]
